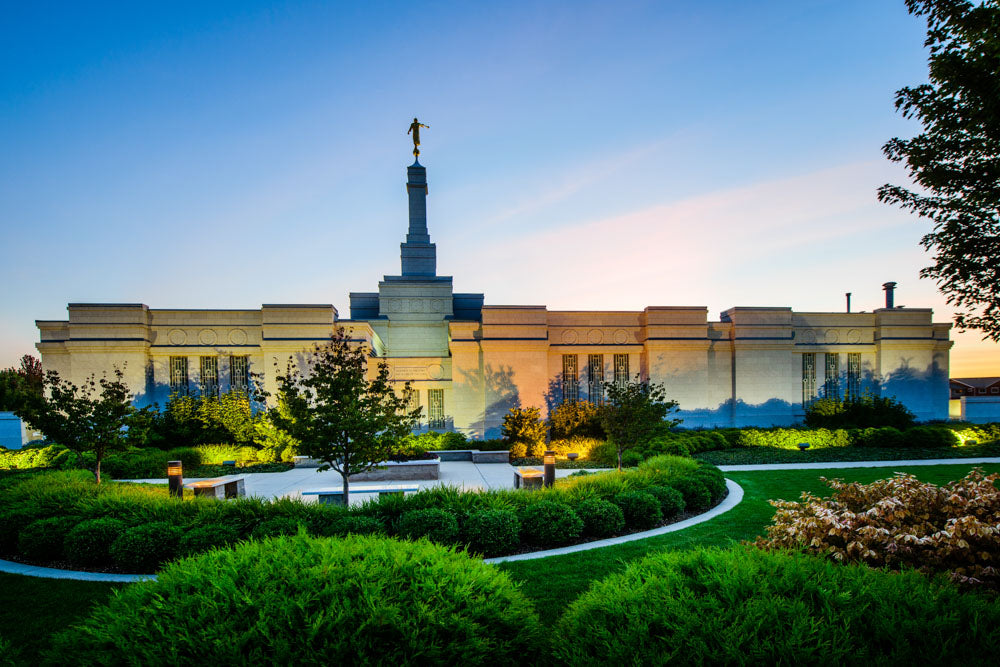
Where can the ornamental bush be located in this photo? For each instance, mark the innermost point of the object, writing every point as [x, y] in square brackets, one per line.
[42, 540]
[143, 549]
[435, 524]
[492, 532]
[670, 499]
[900, 522]
[368, 600]
[745, 606]
[207, 536]
[274, 527]
[90, 541]
[549, 523]
[349, 524]
[641, 510]
[713, 480]
[601, 518]
[696, 494]
[524, 430]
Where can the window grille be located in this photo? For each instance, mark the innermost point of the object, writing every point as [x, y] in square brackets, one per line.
[831, 381]
[413, 401]
[179, 375]
[808, 378]
[854, 375]
[595, 378]
[570, 390]
[239, 373]
[621, 370]
[435, 408]
[210, 376]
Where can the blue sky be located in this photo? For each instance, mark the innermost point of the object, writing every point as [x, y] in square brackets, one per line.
[580, 155]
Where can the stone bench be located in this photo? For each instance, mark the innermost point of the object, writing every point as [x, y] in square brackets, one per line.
[222, 488]
[336, 496]
[528, 478]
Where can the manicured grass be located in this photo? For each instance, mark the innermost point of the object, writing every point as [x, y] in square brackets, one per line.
[555, 582]
[752, 455]
[32, 609]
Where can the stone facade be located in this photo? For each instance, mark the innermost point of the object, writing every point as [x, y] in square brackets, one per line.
[470, 363]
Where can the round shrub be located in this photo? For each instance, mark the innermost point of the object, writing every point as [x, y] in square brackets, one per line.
[696, 494]
[641, 510]
[435, 524]
[547, 522]
[601, 518]
[88, 543]
[12, 522]
[369, 600]
[145, 548]
[631, 458]
[275, 527]
[207, 536]
[42, 540]
[348, 524]
[742, 605]
[670, 499]
[493, 532]
[713, 480]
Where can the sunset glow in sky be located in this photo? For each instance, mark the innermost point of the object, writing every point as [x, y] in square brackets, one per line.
[581, 155]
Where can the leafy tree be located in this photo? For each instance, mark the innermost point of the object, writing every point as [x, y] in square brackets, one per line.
[19, 384]
[634, 413]
[88, 418]
[524, 430]
[576, 418]
[338, 415]
[956, 160]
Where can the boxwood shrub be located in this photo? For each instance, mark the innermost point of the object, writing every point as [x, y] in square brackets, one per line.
[601, 518]
[353, 524]
[367, 600]
[90, 541]
[42, 540]
[274, 527]
[435, 524]
[492, 532]
[549, 523]
[143, 549]
[670, 499]
[641, 509]
[207, 536]
[696, 494]
[743, 605]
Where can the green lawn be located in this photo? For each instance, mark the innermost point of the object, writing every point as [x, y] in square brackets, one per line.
[32, 609]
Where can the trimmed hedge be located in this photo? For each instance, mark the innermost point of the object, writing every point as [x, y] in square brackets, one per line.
[275, 527]
[671, 500]
[493, 532]
[601, 518]
[435, 524]
[550, 523]
[695, 492]
[207, 536]
[743, 605]
[144, 548]
[89, 542]
[641, 509]
[367, 600]
[42, 540]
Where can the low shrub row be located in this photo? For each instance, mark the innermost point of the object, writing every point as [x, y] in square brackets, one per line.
[65, 516]
[382, 601]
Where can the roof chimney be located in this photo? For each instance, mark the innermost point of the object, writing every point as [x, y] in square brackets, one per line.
[889, 289]
[848, 295]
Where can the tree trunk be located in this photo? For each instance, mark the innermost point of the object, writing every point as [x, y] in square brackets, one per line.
[347, 496]
[619, 459]
[97, 471]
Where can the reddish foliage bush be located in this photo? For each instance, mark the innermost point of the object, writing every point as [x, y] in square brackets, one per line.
[900, 522]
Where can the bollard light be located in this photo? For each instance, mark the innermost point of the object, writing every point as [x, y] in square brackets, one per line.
[175, 478]
[550, 467]
[803, 446]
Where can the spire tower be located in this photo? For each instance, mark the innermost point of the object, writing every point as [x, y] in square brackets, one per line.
[417, 255]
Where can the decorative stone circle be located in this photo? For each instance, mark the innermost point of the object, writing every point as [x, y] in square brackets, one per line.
[177, 337]
[435, 372]
[238, 337]
[569, 337]
[621, 336]
[207, 337]
[832, 336]
[595, 336]
[808, 336]
[854, 336]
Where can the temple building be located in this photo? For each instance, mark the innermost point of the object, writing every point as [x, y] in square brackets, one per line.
[471, 362]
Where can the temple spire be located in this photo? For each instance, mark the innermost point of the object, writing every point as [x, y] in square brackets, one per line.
[418, 255]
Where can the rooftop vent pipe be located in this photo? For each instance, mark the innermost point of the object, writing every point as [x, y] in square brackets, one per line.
[889, 289]
[848, 295]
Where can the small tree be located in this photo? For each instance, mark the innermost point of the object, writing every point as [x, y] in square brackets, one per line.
[634, 413]
[89, 418]
[576, 419]
[21, 383]
[524, 430]
[340, 416]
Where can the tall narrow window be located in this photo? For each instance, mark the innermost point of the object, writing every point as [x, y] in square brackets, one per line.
[239, 373]
[808, 378]
[570, 390]
[831, 381]
[621, 370]
[435, 408]
[595, 378]
[209, 376]
[179, 375]
[854, 375]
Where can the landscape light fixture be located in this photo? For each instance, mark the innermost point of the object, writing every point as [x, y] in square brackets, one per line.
[175, 478]
[550, 467]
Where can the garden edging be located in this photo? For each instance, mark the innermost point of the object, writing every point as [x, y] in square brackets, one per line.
[733, 499]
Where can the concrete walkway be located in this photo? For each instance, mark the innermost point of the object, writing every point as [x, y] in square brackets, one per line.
[10, 567]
